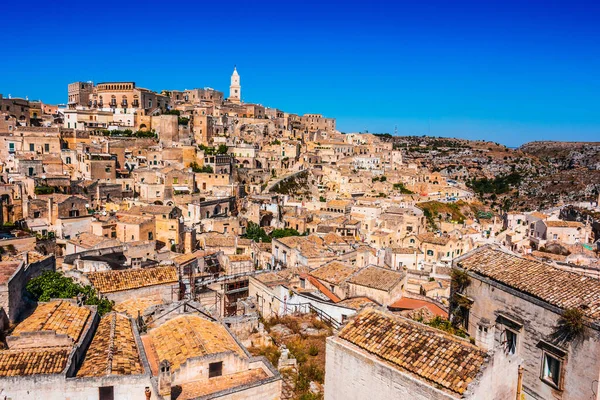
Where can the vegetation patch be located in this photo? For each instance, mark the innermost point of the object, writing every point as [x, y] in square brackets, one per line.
[54, 285]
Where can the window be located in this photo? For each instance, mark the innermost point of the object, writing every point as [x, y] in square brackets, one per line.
[31, 147]
[510, 342]
[555, 236]
[46, 147]
[30, 171]
[215, 369]
[150, 236]
[429, 252]
[551, 366]
[106, 393]
[74, 213]
[36, 214]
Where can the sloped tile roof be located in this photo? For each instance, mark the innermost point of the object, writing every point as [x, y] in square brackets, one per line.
[60, 316]
[113, 350]
[377, 278]
[334, 272]
[555, 286]
[116, 281]
[427, 353]
[41, 361]
[134, 305]
[190, 336]
[196, 389]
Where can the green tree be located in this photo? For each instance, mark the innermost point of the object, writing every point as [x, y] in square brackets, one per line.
[281, 233]
[222, 149]
[54, 285]
[207, 169]
[256, 233]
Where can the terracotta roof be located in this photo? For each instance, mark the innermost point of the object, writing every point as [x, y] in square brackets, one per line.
[563, 224]
[555, 286]
[7, 269]
[406, 303]
[334, 272]
[116, 281]
[406, 250]
[357, 302]
[134, 305]
[189, 336]
[196, 389]
[550, 256]
[322, 288]
[433, 239]
[377, 278]
[86, 239]
[61, 316]
[113, 350]
[539, 215]
[427, 353]
[239, 257]
[40, 361]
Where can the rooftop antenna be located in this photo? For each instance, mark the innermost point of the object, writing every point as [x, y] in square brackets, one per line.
[395, 130]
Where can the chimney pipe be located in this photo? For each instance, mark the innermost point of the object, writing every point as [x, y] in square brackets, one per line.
[520, 382]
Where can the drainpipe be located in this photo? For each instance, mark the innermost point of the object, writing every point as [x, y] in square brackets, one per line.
[520, 383]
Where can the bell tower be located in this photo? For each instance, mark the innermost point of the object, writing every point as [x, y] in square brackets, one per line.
[235, 90]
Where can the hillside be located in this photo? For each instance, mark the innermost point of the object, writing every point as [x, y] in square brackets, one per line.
[534, 176]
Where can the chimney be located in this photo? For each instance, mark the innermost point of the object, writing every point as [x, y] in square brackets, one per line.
[26, 258]
[148, 393]
[50, 209]
[164, 379]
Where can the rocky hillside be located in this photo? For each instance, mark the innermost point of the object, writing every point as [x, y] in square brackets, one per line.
[537, 175]
[566, 155]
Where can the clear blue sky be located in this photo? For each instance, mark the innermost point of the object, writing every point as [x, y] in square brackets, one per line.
[508, 71]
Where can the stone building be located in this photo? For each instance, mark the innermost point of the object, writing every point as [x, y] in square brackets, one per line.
[159, 283]
[192, 357]
[378, 355]
[519, 307]
[14, 276]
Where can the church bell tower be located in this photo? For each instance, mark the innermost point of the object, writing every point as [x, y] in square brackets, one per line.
[235, 90]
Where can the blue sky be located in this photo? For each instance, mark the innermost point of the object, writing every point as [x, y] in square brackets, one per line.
[507, 71]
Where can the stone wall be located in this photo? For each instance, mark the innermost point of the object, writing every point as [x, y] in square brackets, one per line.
[351, 373]
[581, 364]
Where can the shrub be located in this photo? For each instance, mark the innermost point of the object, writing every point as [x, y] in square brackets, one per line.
[54, 285]
[313, 350]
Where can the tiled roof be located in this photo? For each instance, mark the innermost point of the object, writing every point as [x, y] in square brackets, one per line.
[433, 239]
[322, 288]
[7, 269]
[563, 224]
[406, 250]
[34, 361]
[86, 239]
[60, 316]
[190, 336]
[116, 281]
[193, 390]
[539, 215]
[555, 286]
[113, 350]
[428, 353]
[134, 305]
[357, 302]
[377, 278]
[334, 272]
[406, 303]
